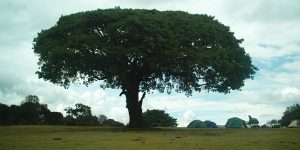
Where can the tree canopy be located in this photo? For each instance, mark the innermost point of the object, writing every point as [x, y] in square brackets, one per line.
[140, 50]
[160, 48]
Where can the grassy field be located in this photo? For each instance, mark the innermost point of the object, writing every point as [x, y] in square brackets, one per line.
[102, 138]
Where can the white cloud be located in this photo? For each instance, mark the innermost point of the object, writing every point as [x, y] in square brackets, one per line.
[280, 78]
[290, 94]
[188, 117]
[276, 96]
[293, 66]
[119, 114]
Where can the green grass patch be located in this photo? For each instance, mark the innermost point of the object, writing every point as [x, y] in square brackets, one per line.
[105, 138]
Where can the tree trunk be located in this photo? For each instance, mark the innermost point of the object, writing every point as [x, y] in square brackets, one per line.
[134, 106]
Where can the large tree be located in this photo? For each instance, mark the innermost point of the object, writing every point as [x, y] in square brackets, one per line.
[140, 50]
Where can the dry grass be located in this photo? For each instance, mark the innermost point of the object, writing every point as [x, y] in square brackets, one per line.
[90, 138]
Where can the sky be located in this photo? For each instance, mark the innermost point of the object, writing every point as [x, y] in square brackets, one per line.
[271, 33]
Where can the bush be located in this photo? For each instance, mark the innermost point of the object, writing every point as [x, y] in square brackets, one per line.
[158, 118]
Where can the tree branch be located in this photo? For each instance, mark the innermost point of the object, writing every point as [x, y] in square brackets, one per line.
[123, 92]
[142, 98]
[148, 78]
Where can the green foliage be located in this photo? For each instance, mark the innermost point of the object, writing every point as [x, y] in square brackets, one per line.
[15, 116]
[70, 121]
[31, 111]
[291, 113]
[54, 118]
[31, 99]
[80, 110]
[158, 118]
[80, 115]
[161, 50]
[102, 118]
[4, 114]
[253, 122]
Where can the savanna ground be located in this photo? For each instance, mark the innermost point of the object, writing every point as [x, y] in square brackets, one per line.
[102, 138]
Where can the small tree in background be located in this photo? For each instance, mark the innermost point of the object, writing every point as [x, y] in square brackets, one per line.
[31, 99]
[253, 122]
[80, 115]
[159, 118]
[102, 118]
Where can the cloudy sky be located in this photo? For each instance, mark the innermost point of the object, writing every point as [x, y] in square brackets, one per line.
[271, 32]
